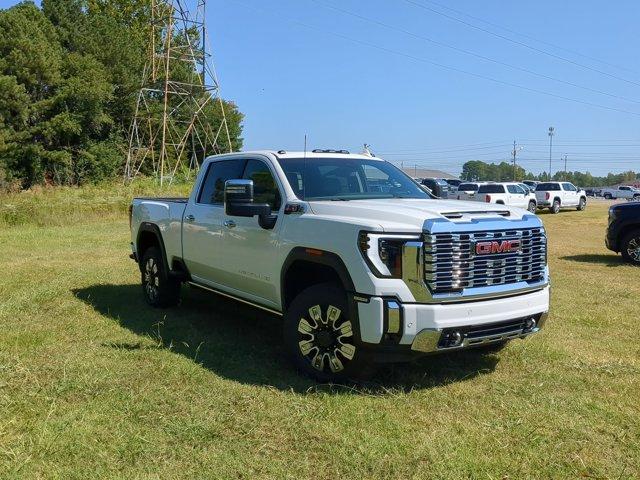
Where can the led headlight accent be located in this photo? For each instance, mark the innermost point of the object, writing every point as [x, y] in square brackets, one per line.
[383, 252]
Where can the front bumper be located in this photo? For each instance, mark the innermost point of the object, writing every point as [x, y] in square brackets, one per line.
[422, 327]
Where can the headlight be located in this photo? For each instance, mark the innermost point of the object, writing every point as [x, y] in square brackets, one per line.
[383, 253]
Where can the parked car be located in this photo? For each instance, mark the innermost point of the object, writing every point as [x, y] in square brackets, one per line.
[438, 186]
[506, 193]
[590, 192]
[526, 187]
[531, 184]
[454, 183]
[557, 195]
[629, 193]
[623, 232]
[361, 264]
[465, 189]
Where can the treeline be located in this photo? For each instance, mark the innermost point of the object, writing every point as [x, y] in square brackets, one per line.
[504, 172]
[69, 73]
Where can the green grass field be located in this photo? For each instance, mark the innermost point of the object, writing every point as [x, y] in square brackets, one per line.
[93, 383]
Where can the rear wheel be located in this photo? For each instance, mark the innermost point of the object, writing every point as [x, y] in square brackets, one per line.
[608, 196]
[320, 336]
[582, 204]
[636, 198]
[160, 290]
[555, 207]
[631, 247]
[532, 206]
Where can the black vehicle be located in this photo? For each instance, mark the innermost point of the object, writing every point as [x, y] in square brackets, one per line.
[454, 182]
[438, 186]
[623, 232]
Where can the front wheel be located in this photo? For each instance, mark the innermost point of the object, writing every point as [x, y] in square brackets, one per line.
[532, 206]
[159, 288]
[582, 204]
[555, 208]
[320, 336]
[631, 247]
[608, 196]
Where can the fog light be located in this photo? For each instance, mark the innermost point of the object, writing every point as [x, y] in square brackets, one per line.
[530, 324]
[452, 339]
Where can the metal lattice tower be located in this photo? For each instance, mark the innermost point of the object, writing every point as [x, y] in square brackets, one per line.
[169, 132]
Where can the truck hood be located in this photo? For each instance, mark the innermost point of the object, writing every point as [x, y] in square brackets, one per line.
[403, 214]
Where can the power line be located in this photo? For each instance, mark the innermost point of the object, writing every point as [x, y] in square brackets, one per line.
[473, 54]
[544, 42]
[517, 42]
[440, 65]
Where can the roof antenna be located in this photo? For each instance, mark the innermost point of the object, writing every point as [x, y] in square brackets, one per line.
[304, 170]
[366, 151]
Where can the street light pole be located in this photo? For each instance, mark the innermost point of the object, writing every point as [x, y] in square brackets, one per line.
[551, 131]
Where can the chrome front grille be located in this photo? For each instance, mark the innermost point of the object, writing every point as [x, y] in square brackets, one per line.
[451, 264]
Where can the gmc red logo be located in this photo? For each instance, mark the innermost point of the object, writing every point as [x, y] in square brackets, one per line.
[494, 247]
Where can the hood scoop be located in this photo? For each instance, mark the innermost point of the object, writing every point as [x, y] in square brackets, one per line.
[455, 215]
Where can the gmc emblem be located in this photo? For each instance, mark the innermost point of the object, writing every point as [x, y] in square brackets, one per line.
[495, 247]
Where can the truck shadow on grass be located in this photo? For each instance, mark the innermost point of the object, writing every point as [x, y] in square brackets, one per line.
[609, 260]
[243, 344]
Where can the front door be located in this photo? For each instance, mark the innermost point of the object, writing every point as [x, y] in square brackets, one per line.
[250, 265]
[570, 194]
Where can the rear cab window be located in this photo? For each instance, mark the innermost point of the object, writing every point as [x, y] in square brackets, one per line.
[491, 188]
[548, 187]
[468, 187]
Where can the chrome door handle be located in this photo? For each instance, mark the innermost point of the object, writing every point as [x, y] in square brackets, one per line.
[189, 218]
[229, 223]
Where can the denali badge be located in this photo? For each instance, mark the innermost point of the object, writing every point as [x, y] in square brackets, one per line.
[495, 247]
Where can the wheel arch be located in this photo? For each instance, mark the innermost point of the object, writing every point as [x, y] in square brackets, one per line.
[149, 235]
[305, 267]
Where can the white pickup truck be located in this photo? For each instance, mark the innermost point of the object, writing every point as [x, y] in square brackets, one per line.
[362, 264]
[504, 193]
[623, 191]
[557, 195]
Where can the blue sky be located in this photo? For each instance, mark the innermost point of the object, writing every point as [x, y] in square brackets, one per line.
[301, 66]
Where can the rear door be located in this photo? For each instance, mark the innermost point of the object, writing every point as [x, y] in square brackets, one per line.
[203, 217]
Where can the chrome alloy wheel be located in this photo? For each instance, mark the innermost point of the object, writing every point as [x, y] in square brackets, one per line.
[151, 279]
[633, 249]
[326, 341]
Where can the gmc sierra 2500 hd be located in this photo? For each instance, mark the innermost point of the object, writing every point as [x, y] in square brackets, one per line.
[362, 264]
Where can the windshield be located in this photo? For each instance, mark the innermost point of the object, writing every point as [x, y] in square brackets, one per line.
[348, 179]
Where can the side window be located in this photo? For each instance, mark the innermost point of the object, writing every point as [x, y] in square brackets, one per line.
[513, 189]
[265, 189]
[568, 187]
[212, 191]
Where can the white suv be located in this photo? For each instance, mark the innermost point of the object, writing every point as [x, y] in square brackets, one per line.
[557, 195]
[505, 193]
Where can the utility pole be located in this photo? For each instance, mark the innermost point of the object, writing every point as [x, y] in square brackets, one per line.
[565, 166]
[514, 153]
[551, 132]
[415, 171]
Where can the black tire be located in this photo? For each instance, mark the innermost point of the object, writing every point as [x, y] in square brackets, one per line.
[608, 196]
[532, 207]
[630, 247]
[320, 339]
[555, 207]
[160, 290]
[636, 198]
[582, 204]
